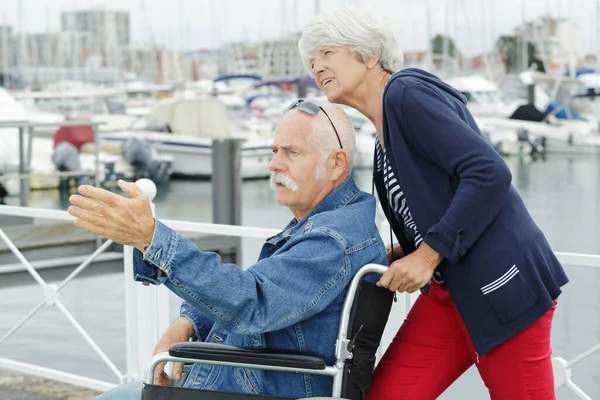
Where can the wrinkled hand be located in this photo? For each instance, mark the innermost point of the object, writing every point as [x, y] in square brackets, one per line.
[125, 221]
[180, 331]
[411, 272]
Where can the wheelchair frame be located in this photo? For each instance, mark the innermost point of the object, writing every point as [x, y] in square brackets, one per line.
[223, 355]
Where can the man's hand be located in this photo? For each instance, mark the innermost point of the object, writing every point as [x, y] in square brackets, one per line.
[125, 221]
[411, 272]
[180, 331]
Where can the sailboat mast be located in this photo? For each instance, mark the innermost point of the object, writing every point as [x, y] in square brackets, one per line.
[428, 33]
[445, 41]
[22, 59]
[524, 52]
[5, 54]
[456, 34]
[182, 26]
[598, 35]
[484, 43]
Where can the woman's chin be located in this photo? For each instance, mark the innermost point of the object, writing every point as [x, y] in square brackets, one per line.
[334, 97]
[336, 94]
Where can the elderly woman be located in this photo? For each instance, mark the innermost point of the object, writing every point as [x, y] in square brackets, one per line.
[449, 200]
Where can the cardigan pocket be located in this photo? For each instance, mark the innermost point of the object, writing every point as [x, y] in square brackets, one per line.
[509, 295]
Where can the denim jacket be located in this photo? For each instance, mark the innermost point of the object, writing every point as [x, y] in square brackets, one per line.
[290, 299]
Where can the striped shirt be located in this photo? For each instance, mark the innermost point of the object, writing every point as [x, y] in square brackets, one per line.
[397, 200]
[394, 192]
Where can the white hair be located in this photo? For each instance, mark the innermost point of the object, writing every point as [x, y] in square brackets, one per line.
[367, 35]
[324, 138]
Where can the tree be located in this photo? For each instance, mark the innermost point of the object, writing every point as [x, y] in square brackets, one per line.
[437, 46]
[509, 48]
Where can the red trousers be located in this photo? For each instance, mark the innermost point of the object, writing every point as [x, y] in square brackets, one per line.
[432, 349]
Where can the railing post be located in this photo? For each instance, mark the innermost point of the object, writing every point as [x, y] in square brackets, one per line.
[95, 128]
[227, 185]
[23, 180]
[146, 309]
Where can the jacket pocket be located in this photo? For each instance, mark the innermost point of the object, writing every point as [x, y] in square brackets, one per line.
[509, 295]
[247, 380]
[211, 374]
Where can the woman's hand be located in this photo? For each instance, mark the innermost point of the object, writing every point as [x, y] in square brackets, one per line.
[412, 272]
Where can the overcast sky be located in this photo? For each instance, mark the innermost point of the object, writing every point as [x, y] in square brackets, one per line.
[193, 24]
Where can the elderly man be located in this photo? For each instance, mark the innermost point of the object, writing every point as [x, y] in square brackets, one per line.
[291, 298]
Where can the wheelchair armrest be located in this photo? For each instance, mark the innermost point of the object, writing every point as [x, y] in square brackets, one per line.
[244, 355]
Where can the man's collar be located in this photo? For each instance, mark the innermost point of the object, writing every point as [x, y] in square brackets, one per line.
[338, 197]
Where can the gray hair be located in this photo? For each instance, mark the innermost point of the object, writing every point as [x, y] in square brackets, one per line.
[323, 136]
[367, 35]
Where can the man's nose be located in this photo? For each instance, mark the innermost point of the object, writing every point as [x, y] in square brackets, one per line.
[276, 164]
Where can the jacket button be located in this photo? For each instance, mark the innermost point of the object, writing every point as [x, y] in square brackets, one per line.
[180, 285]
[146, 283]
[461, 232]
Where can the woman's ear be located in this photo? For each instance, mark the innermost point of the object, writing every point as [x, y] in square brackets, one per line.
[372, 63]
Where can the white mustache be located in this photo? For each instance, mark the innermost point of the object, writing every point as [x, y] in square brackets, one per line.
[283, 179]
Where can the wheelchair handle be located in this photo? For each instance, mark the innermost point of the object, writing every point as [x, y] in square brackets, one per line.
[427, 286]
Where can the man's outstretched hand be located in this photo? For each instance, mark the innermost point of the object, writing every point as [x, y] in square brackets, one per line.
[125, 221]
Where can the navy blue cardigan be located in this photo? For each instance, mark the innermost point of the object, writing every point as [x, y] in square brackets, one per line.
[498, 266]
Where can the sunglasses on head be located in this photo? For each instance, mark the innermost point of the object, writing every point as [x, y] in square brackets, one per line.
[312, 107]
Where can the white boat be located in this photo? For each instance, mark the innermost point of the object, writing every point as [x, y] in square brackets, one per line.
[43, 174]
[484, 99]
[514, 135]
[518, 137]
[97, 104]
[142, 96]
[185, 129]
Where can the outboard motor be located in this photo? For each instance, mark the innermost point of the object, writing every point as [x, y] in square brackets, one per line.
[538, 144]
[3, 193]
[67, 143]
[138, 154]
[523, 135]
[66, 159]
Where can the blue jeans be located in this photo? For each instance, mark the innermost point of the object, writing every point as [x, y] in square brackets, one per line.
[133, 390]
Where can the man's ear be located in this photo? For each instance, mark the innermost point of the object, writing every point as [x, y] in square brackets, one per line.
[339, 163]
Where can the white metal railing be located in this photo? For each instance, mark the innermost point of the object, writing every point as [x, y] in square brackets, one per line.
[147, 312]
[146, 308]
[51, 294]
[560, 366]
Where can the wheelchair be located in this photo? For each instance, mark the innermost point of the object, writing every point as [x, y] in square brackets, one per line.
[363, 319]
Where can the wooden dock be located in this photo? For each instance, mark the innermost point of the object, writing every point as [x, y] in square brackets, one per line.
[16, 386]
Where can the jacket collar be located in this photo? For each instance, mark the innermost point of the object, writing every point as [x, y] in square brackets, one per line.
[337, 198]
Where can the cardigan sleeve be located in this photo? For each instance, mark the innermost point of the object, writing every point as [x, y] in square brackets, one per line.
[430, 123]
